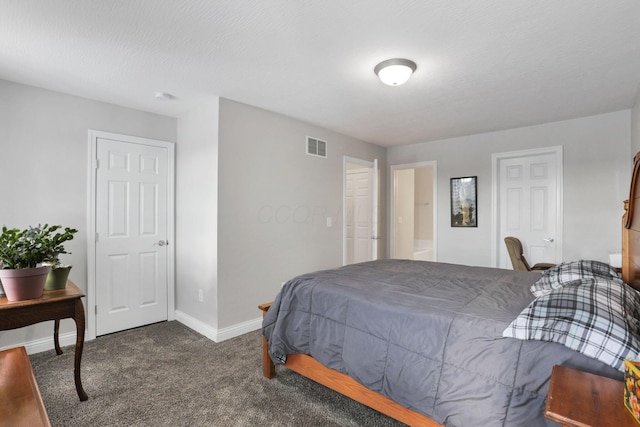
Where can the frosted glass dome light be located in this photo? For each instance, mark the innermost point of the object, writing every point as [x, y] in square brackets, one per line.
[394, 72]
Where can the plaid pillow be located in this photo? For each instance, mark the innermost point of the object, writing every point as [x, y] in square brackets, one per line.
[558, 276]
[597, 317]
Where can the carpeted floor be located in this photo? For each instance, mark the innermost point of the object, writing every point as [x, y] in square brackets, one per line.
[168, 375]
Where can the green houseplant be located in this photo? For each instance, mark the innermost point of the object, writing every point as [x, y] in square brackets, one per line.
[57, 277]
[24, 255]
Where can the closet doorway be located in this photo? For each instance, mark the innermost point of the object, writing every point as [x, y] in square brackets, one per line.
[414, 211]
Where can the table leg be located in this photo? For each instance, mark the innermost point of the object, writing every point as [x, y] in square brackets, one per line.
[56, 339]
[79, 319]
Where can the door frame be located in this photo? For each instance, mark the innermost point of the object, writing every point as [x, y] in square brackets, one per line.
[392, 204]
[495, 191]
[91, 221]
[374, 204]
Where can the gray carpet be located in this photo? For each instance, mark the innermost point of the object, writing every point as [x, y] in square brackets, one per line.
[168, 375]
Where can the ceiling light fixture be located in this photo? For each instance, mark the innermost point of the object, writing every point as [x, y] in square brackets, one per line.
[394, 72]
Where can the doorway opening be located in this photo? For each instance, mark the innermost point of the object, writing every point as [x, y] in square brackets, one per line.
[414, 211]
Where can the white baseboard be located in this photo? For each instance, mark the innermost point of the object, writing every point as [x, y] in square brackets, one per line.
[218, 335]
[45, 344]
[239, 329]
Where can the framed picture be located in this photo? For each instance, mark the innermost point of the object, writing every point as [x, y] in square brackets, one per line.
[464, 202]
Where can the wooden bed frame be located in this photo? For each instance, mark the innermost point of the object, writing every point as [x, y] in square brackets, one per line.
[308, 367]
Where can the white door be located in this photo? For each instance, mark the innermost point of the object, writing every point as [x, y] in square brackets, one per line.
[375, 191]
[359, 226]
[131, 234]
[529, 204]
[360, 210]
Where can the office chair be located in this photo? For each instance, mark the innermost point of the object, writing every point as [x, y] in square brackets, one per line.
[514, 247]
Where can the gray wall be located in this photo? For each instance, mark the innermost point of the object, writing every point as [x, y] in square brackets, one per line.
[273, 202]
[635, 125]
[43, 168]
[596, 180]
[197, 213]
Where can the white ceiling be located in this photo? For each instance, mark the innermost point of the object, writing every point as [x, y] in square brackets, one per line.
[482, 65]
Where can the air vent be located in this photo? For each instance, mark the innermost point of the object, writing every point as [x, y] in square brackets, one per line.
[316, 147]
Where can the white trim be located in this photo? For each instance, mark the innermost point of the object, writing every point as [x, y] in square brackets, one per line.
[495, 232]
[239, 329]
[91, 221]
[218, 335]
[45, 344]
[375, 222]
[392, 203]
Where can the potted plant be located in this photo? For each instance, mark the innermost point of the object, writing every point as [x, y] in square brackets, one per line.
[57, 277]
[23, 258]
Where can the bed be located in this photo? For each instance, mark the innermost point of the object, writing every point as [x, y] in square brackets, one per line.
[436, 344]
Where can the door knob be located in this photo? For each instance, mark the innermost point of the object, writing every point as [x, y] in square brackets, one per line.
[548, 239]
[161, 243]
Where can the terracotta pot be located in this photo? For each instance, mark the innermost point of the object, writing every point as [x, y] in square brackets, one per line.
[57, 278]
[24, 283]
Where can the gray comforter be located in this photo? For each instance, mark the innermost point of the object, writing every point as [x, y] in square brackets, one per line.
[427, 335]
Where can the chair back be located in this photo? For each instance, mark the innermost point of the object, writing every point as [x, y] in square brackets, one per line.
[514, 247]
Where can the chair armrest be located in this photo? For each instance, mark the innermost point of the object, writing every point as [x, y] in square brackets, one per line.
[542, 266]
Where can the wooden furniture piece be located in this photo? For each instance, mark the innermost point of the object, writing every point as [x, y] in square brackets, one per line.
[309, 367]
[631, 230]
[20, 400]
[53, 305]
[581, 399]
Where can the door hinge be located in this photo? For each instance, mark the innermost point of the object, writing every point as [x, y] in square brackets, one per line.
[97, 236]
[97, 163]
[96, 309]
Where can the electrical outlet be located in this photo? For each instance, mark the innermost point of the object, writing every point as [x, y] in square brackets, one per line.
[200, 295]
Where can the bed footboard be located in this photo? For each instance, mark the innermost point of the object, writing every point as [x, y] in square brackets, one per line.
[308, 367]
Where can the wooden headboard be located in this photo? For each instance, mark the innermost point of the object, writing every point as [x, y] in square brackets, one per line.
[631, 230]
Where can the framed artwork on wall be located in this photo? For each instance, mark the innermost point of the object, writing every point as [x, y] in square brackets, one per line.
[464, 202]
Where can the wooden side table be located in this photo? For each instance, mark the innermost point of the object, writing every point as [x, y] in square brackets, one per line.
[53, 305]
[581, 399]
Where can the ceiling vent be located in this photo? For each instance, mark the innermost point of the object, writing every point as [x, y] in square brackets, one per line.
[316, 147]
